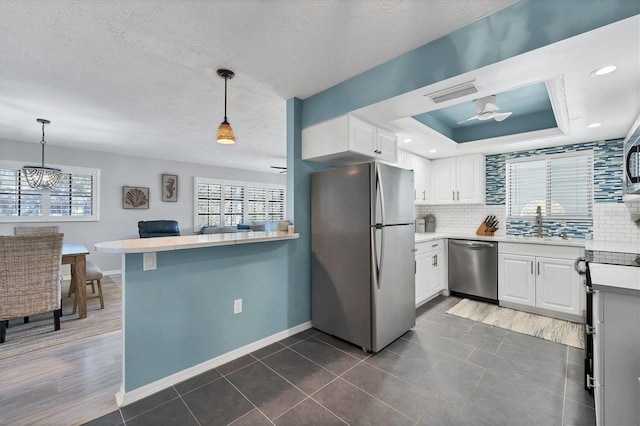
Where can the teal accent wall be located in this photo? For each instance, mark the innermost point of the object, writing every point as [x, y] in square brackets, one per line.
[520, 28]
[181, 314]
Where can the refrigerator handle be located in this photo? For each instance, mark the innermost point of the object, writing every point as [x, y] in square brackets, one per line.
[374, 259]
[381, 190]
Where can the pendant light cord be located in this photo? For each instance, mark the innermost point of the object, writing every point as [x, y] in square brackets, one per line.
[225, 99]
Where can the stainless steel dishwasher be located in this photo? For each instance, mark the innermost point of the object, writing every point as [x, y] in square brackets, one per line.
[473, 269]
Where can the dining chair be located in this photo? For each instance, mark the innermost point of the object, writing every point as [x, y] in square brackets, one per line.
[30, 277]
[158, 228]
[35, 230]
[93, 277]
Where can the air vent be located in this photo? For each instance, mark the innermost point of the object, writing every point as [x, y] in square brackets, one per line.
[454, 92]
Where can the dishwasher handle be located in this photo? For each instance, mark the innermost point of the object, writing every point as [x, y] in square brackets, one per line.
[472, 244]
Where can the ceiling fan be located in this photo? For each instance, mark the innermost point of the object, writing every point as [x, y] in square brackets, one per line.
[284, 169]
[486, 109]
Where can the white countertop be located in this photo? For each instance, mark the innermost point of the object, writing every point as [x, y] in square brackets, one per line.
[615, 276]
[612, 246]
[557, 241]
[144, 245]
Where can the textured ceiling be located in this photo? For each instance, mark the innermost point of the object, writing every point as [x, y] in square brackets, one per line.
[139, 76]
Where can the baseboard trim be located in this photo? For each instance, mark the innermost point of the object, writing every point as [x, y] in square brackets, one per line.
[125, 398]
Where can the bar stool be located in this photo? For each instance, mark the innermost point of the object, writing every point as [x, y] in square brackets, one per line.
[94, 275]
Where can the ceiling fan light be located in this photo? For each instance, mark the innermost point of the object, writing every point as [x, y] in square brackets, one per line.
[225, 134]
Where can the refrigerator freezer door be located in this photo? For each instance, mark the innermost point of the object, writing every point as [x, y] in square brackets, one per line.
[341, 253]
[394, 292]
[394, 195]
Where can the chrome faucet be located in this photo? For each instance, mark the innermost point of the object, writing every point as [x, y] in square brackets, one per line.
[539, 221]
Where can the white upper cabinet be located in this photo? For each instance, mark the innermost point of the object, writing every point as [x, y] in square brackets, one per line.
[421, 175]
[348, 140]
[458, 180]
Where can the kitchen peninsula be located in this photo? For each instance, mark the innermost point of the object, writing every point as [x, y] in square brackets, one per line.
[179, 297]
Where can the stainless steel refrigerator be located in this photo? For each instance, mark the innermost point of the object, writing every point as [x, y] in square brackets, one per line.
[362, 241]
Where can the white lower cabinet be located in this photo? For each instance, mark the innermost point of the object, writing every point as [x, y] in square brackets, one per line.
[516, 281]
[430, 267]
[616, 356]
[540, 276]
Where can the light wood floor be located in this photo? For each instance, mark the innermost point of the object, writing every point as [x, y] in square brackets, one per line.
[68, 384]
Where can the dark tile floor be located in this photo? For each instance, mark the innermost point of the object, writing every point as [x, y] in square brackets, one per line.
[446, 371]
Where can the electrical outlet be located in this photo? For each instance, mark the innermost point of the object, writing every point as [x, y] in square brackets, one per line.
[149, 261]
[237, 306]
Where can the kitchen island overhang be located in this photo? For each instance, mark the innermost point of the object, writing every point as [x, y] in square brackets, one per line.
[178, 319]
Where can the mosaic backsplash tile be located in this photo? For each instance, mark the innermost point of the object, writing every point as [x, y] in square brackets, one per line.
[607, 169]
[607, 181]
[572, 228]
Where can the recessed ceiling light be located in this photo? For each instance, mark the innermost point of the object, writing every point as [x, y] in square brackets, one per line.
[407, 140]
[592, 125]
[433, 150]
[607, 69]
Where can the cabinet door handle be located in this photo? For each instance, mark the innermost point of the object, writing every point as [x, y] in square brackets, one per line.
[435, 258]
[453, 195]
[415, 267]
[538, 267]
[531, 262]
[435, 245]
[424, 195]
[458, 192]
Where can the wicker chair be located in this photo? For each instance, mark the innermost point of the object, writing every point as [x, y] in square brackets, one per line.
[29, 277]
[35, 230]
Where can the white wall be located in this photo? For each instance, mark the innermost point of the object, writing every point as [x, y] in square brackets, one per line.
[117, 171]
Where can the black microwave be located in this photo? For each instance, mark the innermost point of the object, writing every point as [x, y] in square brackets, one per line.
[632, 160]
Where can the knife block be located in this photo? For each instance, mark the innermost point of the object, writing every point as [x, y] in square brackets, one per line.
[484, 231]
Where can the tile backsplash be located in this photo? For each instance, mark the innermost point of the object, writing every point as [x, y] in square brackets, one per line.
[612, 219]
[464, 219]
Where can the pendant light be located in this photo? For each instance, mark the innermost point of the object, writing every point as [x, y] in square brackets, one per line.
[225, 132]
[41, 177]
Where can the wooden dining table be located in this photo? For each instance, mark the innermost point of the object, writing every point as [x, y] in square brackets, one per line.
[75, 254]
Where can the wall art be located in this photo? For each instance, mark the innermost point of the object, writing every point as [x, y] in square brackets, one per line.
[135, 197]
[169, 187]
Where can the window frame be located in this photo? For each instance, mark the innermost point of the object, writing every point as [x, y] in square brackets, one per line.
[46, 217]
[548, 158]
[246, 184]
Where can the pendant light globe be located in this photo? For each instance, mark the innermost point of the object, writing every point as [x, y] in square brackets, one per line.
[225, 132]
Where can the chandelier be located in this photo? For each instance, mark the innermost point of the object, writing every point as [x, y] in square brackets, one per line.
[41, 177]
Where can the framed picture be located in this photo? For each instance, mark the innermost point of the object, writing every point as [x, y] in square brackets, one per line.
[135, 197]
[169, 187]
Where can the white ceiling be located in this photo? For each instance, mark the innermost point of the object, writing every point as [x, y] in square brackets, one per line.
[139, 76]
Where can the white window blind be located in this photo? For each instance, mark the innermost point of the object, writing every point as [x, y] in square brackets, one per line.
[276, 203]
[231, 203]
[75, 198]
[562, 185]
[208, 204]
